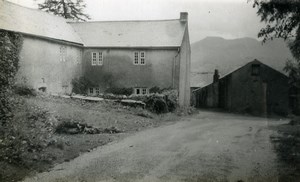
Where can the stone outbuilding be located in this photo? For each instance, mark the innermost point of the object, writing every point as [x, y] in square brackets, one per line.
[254, 88]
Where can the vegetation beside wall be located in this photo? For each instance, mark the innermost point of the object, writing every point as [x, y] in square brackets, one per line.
[166, 101]
[159, 90]
[120, 91]
[81, 85]
[10, 47]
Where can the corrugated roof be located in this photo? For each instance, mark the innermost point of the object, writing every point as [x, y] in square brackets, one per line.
[35, 22]
[160, 33]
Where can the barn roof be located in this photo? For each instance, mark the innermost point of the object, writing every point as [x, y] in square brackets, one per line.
[35, 22]
[155, 33]
[255, 61]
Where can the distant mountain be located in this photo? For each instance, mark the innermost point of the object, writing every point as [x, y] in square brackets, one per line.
[226, 55]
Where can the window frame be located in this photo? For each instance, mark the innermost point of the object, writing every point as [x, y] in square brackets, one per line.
[63, 53]
[139, 58]
[137, 91]
[136, 58]
[100, 58]
[144, 91]
[91, 90]
[141, 91]
[94, 58]
[97, 90]
[142, 58]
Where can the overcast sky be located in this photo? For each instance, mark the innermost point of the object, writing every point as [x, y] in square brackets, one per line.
[225, 18]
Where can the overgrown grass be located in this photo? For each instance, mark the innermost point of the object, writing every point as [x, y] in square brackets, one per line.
[287, 147]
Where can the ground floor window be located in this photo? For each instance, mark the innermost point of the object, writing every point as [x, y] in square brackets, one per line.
[91, 90]
[95, 90]
[141, 91]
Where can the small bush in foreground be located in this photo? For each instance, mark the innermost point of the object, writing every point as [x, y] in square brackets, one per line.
[24, 90]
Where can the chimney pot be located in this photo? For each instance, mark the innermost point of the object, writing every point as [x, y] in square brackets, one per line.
[184, 16]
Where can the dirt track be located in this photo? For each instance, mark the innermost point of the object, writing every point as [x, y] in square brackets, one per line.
[205, 147]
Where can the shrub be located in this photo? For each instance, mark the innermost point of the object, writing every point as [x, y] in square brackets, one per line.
[29, 131]
[24, 90]
[159, 90]
[159, 103]
[171, 99]
[81, 85]
[120, 91]
[155, 90]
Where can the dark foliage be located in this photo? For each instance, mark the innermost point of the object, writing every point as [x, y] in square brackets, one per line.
[81, 85]
[119, 91]
[159, 90]
[26, 134]
[155, 90]
[10, 46]
[157, 104]
[282, 20]
[287, 146]
[69, 9]
[24, 90]
[76, 127]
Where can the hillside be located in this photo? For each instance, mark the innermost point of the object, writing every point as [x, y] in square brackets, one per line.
[226, 55]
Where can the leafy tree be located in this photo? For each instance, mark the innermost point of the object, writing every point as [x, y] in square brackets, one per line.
[282, 18]
[69, 9]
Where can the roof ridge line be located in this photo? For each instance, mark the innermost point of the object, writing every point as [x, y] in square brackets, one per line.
[116, 21]
[37, 10]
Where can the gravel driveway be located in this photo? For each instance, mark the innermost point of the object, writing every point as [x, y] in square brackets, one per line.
[208, 146]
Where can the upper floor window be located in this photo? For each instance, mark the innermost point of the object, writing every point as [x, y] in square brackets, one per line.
[97, 58]
[94, 58]
[139, 58]
[78, 57]
[136, 58]
[100, 58]
[63, 53]
[142, 57]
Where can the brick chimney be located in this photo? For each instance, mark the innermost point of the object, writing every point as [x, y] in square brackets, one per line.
[216, 76]
[184, 16]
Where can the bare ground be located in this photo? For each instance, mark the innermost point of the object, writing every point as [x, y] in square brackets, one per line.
[208, 146]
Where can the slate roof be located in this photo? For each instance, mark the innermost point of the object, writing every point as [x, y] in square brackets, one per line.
[153, 33]
[160, 33]
[35, 22]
